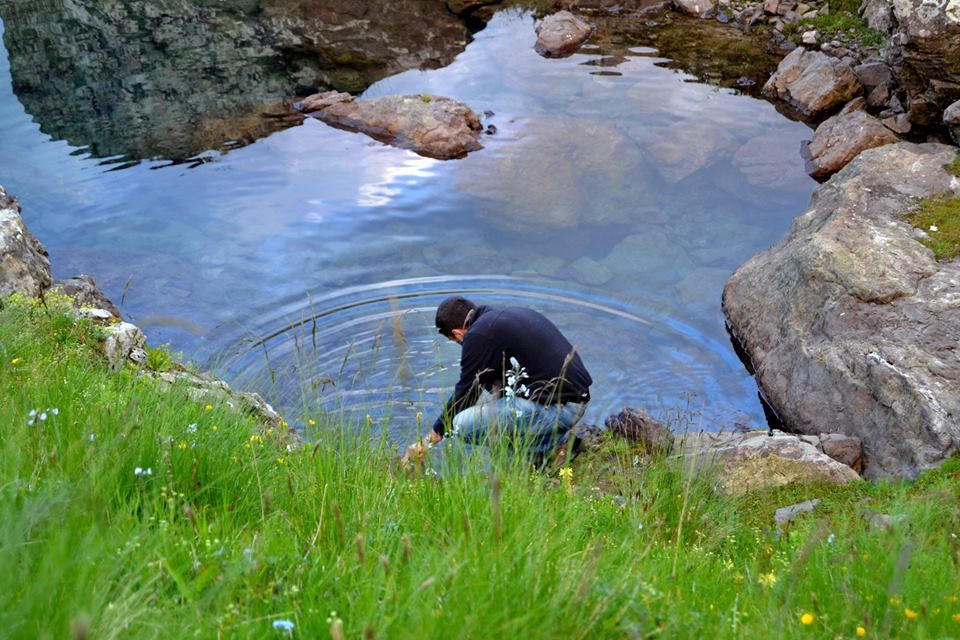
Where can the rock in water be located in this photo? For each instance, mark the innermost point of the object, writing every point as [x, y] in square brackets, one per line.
[813, 82]
[431, 126]
[24, 262]
[560, 34]
[839, 139]
[850, 323]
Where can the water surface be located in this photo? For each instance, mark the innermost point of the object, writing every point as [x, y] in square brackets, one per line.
[304, 262]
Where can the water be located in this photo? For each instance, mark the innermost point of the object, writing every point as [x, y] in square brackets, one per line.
[306, 263]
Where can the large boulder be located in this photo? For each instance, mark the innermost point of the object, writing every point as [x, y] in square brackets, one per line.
[24, 262]
[813, 82]
[850, 324]
[839, 139]
[86, 293]
[926, 53]
[432, 126]
[560, 34]
[758, 460]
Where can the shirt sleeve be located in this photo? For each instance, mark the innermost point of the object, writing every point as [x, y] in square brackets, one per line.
[478, 365]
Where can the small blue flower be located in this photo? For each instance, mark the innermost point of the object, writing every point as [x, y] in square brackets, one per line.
[283, 625]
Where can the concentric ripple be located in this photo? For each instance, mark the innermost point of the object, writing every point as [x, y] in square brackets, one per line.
[372, 350]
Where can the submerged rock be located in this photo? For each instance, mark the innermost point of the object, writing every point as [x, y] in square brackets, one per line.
[560, 34]
[839, 139]
[686, 147]
[813, 82]
[850, 323]
[431, 126]
[24, 262]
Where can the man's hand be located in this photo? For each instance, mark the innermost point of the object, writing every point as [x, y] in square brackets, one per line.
[418, 450]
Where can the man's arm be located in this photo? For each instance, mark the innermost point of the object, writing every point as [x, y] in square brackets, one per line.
[480, 357]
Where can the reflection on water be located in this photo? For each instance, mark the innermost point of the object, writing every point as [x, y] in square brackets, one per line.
[172, 78]
[308, 265]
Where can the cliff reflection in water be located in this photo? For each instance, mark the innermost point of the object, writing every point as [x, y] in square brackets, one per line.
[168, 79]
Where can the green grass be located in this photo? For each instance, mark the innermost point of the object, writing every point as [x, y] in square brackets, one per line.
[939, 217]
[843, 22]
[231, 531]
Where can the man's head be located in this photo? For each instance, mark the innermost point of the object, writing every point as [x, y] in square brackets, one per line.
[452, 316]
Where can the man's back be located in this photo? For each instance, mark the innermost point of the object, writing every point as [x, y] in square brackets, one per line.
[554, 371]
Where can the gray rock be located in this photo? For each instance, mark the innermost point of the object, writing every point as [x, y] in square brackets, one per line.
[899, 123]
[850, 324]
[86, 293]
[839, 139]
[756, 460]
[809, 37]
[873, 74]
[951, 115]
[878, 14]
[686, 147]
[813, 82]
[639, 426]
[590, 272]
[431, 126]
[123, 342]
[843, 448]
[697, 8]
[879, 96]
[784, 515]
[202, 388]
[24, 262]
[560, 34]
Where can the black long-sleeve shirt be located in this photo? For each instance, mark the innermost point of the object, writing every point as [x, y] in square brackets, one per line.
[554, 371]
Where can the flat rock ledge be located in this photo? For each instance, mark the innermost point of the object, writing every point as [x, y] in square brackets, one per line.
[850, 324]
[561, 34]
[742, 462]
[431, 126]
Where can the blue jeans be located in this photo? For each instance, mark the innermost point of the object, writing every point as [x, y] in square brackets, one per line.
[539, 428]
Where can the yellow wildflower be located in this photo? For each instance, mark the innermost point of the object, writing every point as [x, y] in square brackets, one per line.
[208, 407]
[566, 473]
[247, 445]
[15, 361]
[910, 613]
[270, 431]
[951, 599]
[861, 632]
[183, 445]
[895, 600]
[283, 423]
[279, 460]
[214, 428]
[767, 579]
[956, 617]
[311, 422]
[807, 618]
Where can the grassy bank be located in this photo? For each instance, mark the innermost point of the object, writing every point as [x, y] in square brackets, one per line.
[126, 512]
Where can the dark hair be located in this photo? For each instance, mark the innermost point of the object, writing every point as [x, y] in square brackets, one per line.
[452, 314]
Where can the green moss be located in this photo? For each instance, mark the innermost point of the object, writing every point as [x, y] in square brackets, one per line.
[939, 217]
[954, 167]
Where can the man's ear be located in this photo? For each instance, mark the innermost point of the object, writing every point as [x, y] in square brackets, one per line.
[458, 334]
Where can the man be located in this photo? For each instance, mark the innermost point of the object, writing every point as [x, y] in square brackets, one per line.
[538, 387]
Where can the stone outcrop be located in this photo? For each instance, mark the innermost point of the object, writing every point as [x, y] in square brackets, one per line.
[85, 292]
[173, 78]
[813, 82]
[926, 52]
[757, 460]
[840, 138]
[850, 323]
[432, 126]
[24, 263]
[560, 34]
[951, 118]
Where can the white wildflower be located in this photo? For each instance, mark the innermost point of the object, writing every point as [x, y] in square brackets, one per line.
[192, 427]
[934, 227]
